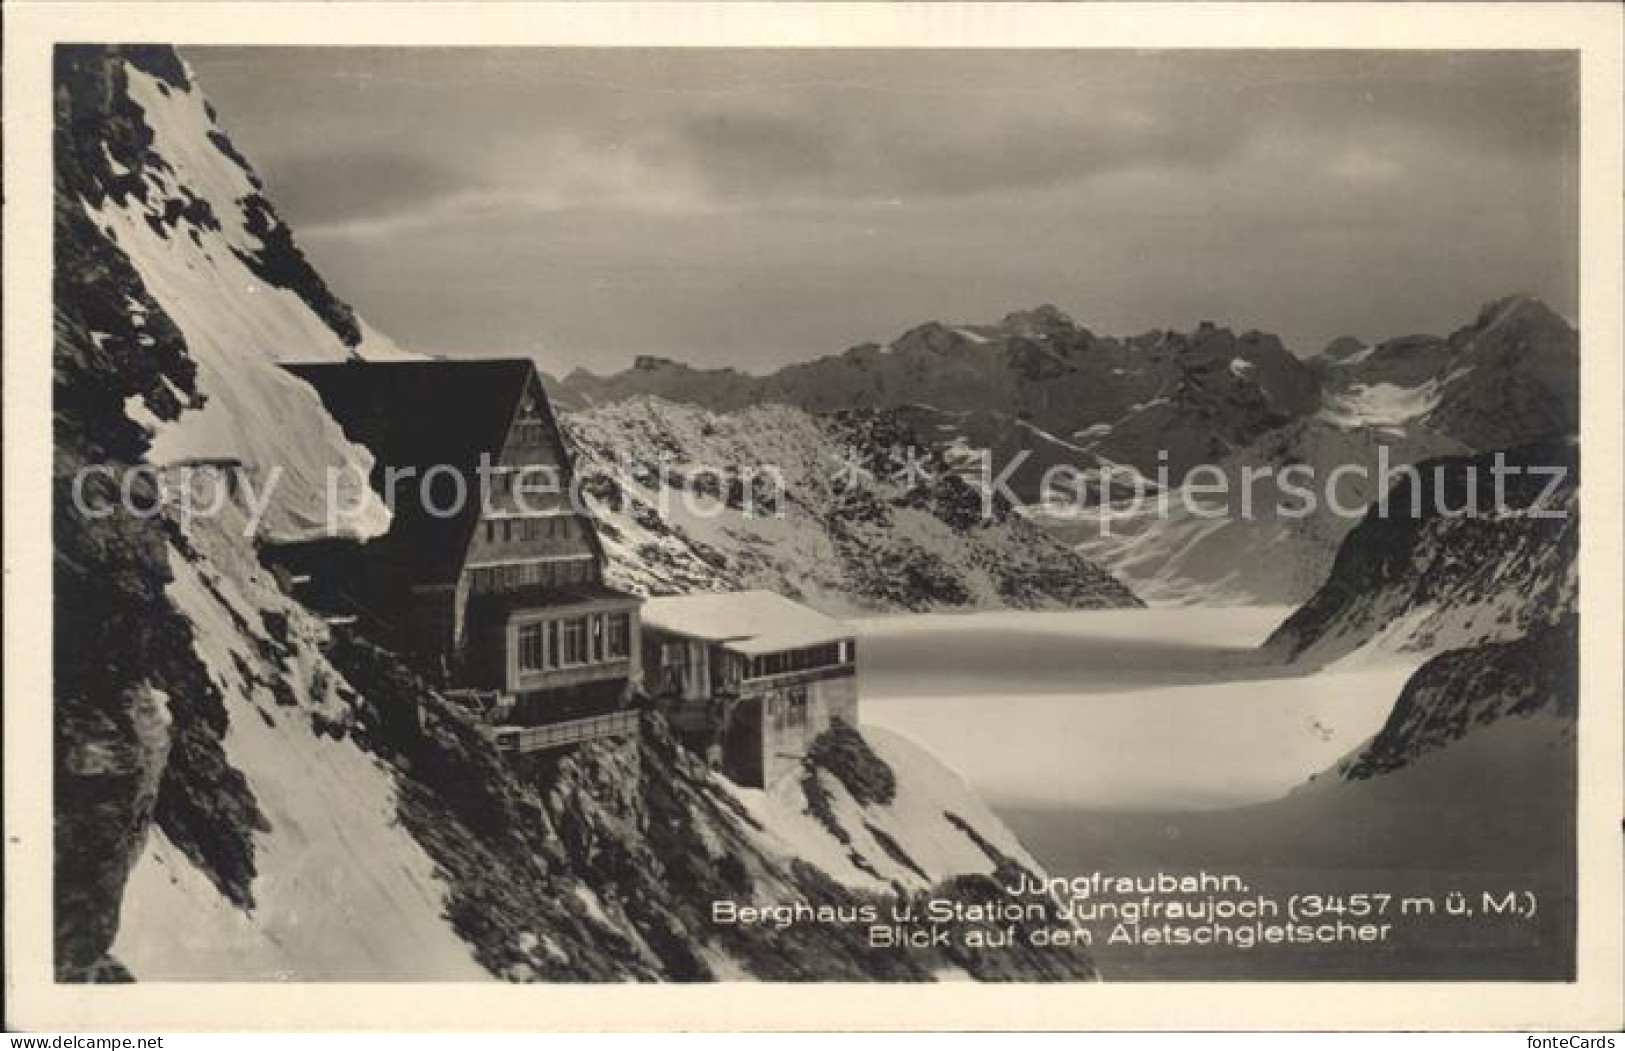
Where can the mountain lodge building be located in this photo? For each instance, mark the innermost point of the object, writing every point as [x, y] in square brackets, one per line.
[749, 679]
[501, 594]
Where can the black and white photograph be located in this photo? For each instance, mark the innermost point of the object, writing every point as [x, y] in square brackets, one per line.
[563, 515]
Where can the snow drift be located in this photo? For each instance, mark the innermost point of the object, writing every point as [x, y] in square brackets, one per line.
[157, 176]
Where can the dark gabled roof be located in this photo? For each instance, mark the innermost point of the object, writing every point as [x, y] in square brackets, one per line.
[420, 414]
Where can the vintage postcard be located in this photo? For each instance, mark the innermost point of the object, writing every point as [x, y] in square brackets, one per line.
[1083, 503]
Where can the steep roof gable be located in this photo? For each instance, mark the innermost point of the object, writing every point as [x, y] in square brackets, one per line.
[427, 416]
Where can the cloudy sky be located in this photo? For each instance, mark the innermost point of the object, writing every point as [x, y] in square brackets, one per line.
[753, 207]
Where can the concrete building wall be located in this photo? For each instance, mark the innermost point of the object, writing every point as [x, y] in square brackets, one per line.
[792, 715]
[759, 735]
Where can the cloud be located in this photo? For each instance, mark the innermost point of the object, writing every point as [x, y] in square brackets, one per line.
[359, 185]
[883, 153]
[390, 132]
[751, 206]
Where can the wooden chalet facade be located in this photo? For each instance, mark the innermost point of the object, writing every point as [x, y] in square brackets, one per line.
[499, 593]
[749, 679]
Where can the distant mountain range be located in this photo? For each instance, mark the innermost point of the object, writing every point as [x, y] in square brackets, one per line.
[1038, 387]
[1196, 394]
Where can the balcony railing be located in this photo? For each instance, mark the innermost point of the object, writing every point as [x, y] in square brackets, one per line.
[521, 740]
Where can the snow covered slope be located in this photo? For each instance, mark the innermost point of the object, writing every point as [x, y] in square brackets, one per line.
[1426, 576]
[1508, 378]
[1459, 691]
[333, 888]
[1209, 550]
[356, 860]
[1474, 772]
[153, 170]
[925, 824]
[818, 508]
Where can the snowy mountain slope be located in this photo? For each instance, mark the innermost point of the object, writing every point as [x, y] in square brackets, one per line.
[143, 155]
[1214, 550]
[332, 888]
[389, 843]
[922, 820]
[1032, 465]
[686, 501]
[1494, 810]
[245, 791]
[207, 817]
[1426, 576]
[606, 862]
[1475, 771]
[1508, 378]
[1459, 691]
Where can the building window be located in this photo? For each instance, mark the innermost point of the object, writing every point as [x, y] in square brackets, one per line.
[574, 640]
[552, 644]
[810, 658]
[673, 665]
[596, 625]
[620, 635]
[490, 531]
[530, 647]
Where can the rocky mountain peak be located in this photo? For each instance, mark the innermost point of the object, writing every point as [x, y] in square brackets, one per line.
[933, 337]
[1342, 348]
[654, 363]
[1044, 320]
[1520, 308]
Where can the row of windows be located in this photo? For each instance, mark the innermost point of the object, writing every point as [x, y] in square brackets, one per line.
[827, 655]
[508, 529]
[591, 639]
[546, 573]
